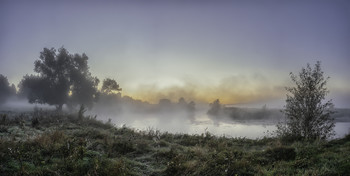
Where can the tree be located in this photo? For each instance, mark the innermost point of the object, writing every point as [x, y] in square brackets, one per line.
[215, 108]
[83, 86]
[191, 106]
[109, 86]
[182, 102]
[308, 116]
[36, 89]
[62, 78]
[6, 91]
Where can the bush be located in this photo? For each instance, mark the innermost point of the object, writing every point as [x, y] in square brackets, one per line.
[281, 153]
[118, 148]
[35, 122]
[307, 115]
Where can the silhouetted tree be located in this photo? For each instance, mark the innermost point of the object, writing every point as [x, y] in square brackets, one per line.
[109, 86]
[164, 102]
[62, 79]
[165, 105]
[182, 104]
[307, 115]
[215, 108]
[191, 106]
[36, 89]
[83, 86]
[6, 91]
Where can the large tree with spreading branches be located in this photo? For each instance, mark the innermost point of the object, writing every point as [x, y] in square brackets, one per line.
[62, 78]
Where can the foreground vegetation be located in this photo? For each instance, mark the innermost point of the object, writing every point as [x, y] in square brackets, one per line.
[50, 143]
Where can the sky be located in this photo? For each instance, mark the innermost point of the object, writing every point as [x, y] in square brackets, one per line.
[238, 51]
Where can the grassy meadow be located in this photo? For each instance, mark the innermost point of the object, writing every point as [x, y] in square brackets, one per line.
[51, 143]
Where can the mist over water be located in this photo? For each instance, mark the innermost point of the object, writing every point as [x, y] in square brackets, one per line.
[183, 117]
[176, 118]
[200, 122]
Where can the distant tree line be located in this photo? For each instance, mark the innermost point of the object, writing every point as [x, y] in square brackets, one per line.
[65, 79]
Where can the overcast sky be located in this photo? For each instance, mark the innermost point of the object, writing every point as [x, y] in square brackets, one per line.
[239, 51]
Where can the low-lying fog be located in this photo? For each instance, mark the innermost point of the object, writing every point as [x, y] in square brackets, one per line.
[183, 117]
[201, 122]
[191, 118]
[198, 124]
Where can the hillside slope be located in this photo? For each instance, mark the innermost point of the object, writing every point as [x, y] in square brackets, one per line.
[49, 143]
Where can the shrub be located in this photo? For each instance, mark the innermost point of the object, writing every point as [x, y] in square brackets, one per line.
[35, 122]
[281, 153]
[121, 147]
[307, 115]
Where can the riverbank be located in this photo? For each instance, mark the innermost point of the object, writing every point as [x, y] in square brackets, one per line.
[49, 143]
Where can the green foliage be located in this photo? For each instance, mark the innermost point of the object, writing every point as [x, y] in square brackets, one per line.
[6, 90]
[281, 153]
[307, 115]
[63, 78]
[109, 86]
[118, 148]
[35, 122]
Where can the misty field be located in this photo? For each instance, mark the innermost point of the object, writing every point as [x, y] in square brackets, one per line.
[52, 143]
[187, 87]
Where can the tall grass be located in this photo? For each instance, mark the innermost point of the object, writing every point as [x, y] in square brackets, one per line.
[71, 144]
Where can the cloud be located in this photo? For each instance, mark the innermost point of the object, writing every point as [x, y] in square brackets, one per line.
[230, 90]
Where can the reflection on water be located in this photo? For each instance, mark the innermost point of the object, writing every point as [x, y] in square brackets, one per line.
[201, 123]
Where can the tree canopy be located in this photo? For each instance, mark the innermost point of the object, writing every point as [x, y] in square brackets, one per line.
[62, 78]
[110, 86]
[215, 108]
[308, 115]
[6, 91]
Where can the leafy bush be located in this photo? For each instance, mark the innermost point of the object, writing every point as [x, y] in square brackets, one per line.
[281, 153]
[118, 148]
[308, 116]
